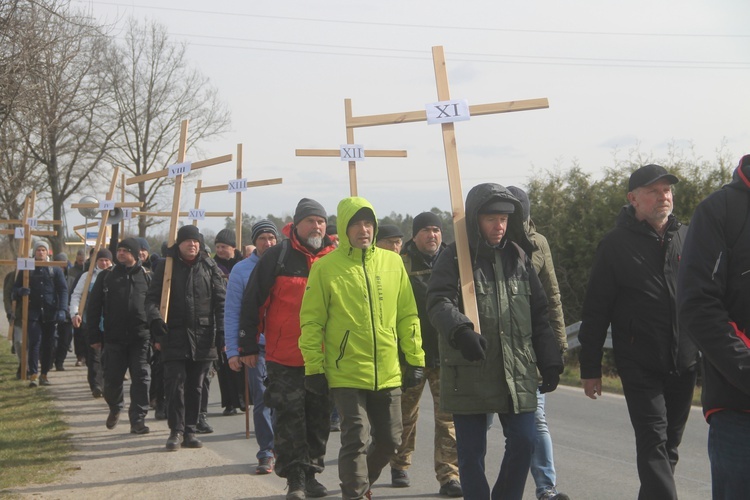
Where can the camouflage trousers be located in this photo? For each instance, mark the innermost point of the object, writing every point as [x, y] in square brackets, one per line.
[446, 457]
[301, 422]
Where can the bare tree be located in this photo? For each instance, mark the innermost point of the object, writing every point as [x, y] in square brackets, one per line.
[154, 89]
[66, 123]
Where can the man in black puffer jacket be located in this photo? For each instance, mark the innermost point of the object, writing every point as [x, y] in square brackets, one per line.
[713, 299]
[187, 341]
[633, 287]
[119, 297]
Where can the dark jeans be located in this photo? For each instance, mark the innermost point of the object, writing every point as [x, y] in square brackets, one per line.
[206, 389]
[41, 340]
[659, 406]
[519, 430]
[729, 452]
[79, 342]
[371, 429]
[262, 417]
[64, 338]
[183, 385]
[117, 359]
[156, 391]
[231, 385]
[94, 372]
[301, 420]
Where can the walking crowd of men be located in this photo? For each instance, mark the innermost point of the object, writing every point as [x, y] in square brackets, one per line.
[342, 332]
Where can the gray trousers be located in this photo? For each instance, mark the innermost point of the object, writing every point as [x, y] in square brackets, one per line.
[371, 431]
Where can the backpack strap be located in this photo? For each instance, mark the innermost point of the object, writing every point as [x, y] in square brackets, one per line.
[281, 261]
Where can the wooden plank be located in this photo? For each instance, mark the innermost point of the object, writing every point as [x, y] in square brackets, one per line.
[181, 214]
[238, 226]
[194, 166]
[336, 153]
[250, 184]
[123, 204]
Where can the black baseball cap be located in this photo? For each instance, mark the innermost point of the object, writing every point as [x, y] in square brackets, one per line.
[649, 174]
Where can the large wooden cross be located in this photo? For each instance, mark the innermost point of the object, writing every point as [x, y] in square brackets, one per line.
[236, 186]
[177, 171]
[101, 237]
[24, 264]
[447, 112]
[351, 151]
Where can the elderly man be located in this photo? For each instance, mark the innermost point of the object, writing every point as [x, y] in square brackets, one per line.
[358, 312]
[271, 306]
[390, 237]
[632, 287]
[187, 340]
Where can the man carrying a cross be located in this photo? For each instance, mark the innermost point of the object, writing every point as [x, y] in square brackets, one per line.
[48, 305]
[495, 371]
[188, 340]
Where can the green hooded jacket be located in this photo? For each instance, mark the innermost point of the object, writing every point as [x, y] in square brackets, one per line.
[358, 311]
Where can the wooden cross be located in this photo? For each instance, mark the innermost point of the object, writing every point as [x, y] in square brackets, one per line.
[27, 222]
[237, 186]
[446, 112]
[349, 150]
[101, 236]
[177, 171]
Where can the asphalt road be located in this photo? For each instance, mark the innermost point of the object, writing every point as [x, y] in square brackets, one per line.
[593, 445]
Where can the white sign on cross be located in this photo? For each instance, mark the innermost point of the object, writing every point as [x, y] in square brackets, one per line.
[445, 112]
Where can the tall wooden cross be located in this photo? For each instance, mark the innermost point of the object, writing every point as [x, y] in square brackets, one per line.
[446, 112]
[236, 186]
[24, 264]
[105, 206]
[177, 171]
[351, 151]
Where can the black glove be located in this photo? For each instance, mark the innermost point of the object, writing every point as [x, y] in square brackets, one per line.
[317, 384]
[60, 316]
[413, 375]
[11, 316]
[471, 344]
[23, 292]
[158, 330]
[550, 379]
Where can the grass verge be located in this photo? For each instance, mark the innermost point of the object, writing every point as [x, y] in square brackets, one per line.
[572, 376]
[33, 440]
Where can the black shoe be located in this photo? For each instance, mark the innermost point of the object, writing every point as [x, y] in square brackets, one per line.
[190, 441]
[161, 410]
[295, 482]
[113, 418]
[552, 494]
[203, 427]
[59, 367]
[313, 488]
[97, 393]
[139, 428]
[452, 489]
[229, 410]
[399, 478]
[173, 443]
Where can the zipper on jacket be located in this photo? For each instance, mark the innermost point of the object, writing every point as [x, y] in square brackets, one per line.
[372, 322]
[342, 347]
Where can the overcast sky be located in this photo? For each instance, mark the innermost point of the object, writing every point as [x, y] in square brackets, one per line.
[618, 75]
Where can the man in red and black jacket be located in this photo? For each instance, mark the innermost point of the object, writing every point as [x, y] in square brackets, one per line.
[271, 304]
[714, 309]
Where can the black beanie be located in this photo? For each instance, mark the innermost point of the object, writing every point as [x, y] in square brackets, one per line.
[226, 236]
[521, 196]
[307, 207]
[425, 219]
[263, 226]
[389, 231]
[144, 244]
[103, 253]
[132, 245]
[188, 232]
[364, 213]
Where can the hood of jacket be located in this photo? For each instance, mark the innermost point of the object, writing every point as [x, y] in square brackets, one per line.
[477, 197]
[344, 213]
[741, 175]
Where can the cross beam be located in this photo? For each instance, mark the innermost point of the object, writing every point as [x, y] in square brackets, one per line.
[451, 163]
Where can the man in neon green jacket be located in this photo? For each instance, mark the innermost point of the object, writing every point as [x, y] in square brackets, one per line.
[358, 312]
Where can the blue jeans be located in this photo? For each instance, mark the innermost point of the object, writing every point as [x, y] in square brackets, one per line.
[471, 442]
[542, 463]
[261, 413]
[729, 452]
